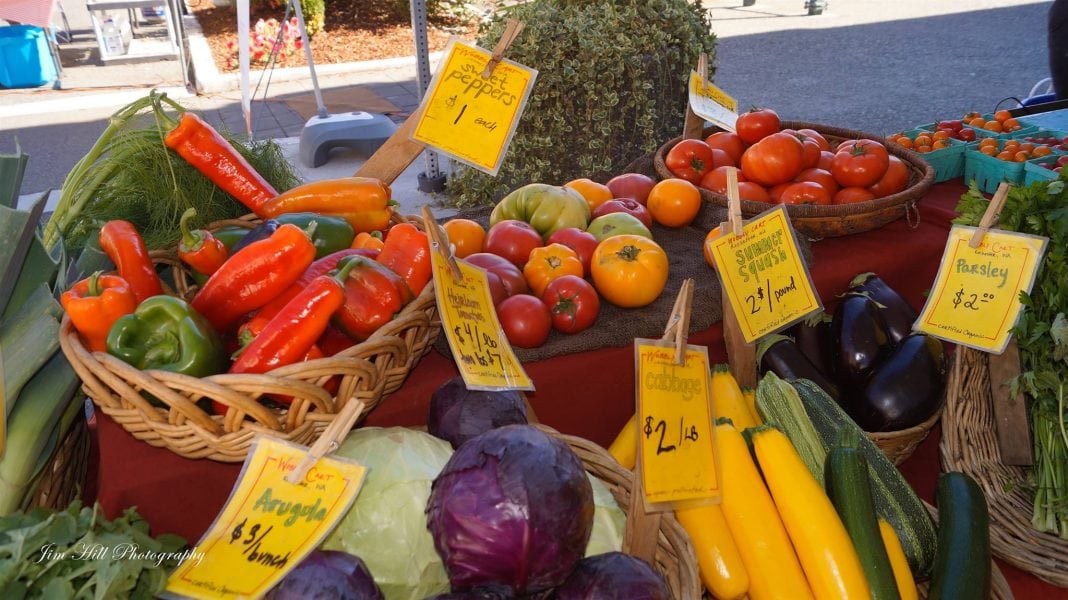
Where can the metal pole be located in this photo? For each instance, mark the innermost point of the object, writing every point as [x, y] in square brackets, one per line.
[308, 55]
[433, 180]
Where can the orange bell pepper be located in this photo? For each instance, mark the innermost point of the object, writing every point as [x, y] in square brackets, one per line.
[372, 240]
[362, 201]
[549, 262]
[94, 304]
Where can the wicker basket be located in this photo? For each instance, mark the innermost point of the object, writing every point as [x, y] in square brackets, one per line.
[369, 371]
[999, 586]
[969, 444]
[835, 220]
[64, 476]
[675, 558]
[899, 445]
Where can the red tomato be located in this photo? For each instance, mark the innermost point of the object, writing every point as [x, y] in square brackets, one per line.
[860, 163]
[716, 179]
[720, 158]
[572, 302]
[821, 177]
[966, 134]
[689, 160]
[582, 242]
[513, 240]
[757, 124]
[816, 137]
[747, 190]
[806, 192]
[631, 185]
[773, 160]
[811, 151]
[775, 192]
[895, 180]
[729, 142]
[525, 319]
[826, 160]
[851, 195]
[625, 205]
[505, 279]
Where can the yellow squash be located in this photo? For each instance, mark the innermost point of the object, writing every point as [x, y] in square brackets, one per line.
[727, 399]
[906, 585]
[823, 546]
[750, 400]
[625, 447]
[758, 532]
[720, 564]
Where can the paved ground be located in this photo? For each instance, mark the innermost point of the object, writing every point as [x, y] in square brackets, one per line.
[863, 64]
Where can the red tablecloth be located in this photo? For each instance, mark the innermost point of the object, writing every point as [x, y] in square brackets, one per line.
[589, 394]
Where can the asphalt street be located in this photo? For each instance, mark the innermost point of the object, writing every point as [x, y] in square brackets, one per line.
[867, 65]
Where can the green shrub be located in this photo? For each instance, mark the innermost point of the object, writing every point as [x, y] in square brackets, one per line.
[314, 15]
[611, 86]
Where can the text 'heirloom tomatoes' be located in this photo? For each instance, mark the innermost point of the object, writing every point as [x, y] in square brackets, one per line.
[629, 270]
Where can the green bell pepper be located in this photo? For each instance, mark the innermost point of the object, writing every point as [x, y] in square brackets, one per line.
[230, 234]
[546, 207]
[166, 333]
[330, 234]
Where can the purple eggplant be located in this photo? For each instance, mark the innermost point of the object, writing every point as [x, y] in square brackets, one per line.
[780, 355]
[905, 389]
[858, 341]
[813, 338]
[898, 314]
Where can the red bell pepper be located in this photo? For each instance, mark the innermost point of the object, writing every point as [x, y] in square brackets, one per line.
[253, 276]
[373, 294]
[406, 252]
[123, 244]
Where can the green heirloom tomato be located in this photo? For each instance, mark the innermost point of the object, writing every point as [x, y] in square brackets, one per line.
[606, 226]
[546, 207]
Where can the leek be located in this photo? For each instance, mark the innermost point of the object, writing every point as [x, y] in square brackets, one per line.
[28, 338]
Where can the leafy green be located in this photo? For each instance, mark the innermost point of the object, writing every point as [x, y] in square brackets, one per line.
[1042, 335]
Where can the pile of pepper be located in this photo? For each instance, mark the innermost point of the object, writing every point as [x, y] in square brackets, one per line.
[301, 285]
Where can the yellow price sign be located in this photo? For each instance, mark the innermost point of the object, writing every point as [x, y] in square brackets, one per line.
[768, 284]
[711, 103]
[268, 525]
[975, 300]
[470, 117]
[675, 423]
[479, 346]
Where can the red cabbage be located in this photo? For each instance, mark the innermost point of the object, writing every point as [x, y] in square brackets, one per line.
[613, 576]
[458, 414]
[327, 575]
[511, 512]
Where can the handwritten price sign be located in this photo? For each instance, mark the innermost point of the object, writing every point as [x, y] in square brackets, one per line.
[975, 300]
[711, 103]
[674, 410]
[470, 117]
[476, 339]
[268, 525]
[762, 272]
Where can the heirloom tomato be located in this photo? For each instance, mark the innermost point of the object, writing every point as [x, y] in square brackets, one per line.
[674, 202]
[689, 160]
[631, 185]
[549, 262]
[594, 193]
[625, 205]
[513, 240]
[629, 270]
[525, 319]
[505, 279]
[573, 303]
[582, 242]
[773, 160]
[860, 163]
[465, 235]
[757, 124]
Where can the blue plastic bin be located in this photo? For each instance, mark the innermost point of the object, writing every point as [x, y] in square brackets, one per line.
[24, 57]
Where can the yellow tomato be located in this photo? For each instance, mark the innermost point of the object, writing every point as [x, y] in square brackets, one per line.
[629, 270]
[549, 262]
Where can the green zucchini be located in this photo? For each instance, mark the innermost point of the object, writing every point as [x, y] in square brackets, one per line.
[894, 498]
[778, 404]
[962, 563]
[849, 488]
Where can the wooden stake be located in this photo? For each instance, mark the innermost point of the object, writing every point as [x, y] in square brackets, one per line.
[511, 32]
[440, 240]
[642, 530]
[394, 156]
[990, 217]
[734, 202]
[694, 126]
[740, 355]
[330, 439]
[1010, 412]
[678, 325]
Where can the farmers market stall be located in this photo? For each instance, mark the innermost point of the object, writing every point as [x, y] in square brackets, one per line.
[589, 394]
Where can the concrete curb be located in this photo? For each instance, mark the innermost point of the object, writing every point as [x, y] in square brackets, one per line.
[83, 101]
[208, 79]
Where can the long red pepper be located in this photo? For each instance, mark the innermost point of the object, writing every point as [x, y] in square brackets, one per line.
[320, 267]
[198, 248]
[124, 246]
[253, 276]
[201, 146]
[406, 252]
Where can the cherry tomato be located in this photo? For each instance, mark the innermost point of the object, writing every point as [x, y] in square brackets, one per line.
[572, 303]
[689, 159]
[525, 319]
[513, 240]
[773, 160]
[895, 180]
[860, 163]
[806, 192]
[729, 142]
[757, 124]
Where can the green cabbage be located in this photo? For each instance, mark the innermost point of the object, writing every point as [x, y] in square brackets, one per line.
[608, 521]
